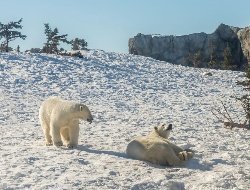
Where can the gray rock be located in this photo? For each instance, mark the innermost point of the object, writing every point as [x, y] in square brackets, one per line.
[227, 43]
[244, 36]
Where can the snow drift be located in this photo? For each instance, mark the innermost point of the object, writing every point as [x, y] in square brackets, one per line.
[127, 95]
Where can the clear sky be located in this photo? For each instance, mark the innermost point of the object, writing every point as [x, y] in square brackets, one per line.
[108, 24]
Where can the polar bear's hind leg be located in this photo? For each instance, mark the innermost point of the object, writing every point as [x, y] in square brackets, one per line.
[46, 131]
[55, 133]
[172, 158]
[136, 150]
[48, 138]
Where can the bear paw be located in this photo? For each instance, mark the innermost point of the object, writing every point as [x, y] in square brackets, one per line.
[184, 155]
[190, 153]
[71, 145]
[49, 143]
[58, 143]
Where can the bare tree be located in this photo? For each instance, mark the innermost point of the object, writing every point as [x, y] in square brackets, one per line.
[223, 116]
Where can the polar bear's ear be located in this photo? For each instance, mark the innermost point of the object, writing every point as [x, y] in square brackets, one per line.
[170, 127]
[81, 108]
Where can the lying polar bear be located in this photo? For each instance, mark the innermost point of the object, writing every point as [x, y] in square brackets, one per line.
[60, 121]
[156, 148]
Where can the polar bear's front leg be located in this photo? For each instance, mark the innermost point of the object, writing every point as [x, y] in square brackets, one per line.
[73, 135]
[65, 135]
[55, 133]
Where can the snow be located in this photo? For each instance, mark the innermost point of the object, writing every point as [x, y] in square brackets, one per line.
[128, 95]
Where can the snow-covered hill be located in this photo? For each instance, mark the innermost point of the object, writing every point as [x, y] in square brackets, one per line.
[127, 95]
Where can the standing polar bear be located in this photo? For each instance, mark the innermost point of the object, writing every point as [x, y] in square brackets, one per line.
[156, 148]
[60, 121]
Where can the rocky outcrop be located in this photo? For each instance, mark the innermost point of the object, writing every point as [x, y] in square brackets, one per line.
[228, 47]
[244, 36]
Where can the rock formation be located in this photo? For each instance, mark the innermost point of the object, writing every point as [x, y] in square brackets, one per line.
[244, 36]
[228, 48]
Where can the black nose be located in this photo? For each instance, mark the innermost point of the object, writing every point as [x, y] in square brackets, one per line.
[170, 127]
[90, 120]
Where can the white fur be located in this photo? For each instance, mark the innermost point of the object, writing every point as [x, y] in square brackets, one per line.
[60, 121]
[156, 148]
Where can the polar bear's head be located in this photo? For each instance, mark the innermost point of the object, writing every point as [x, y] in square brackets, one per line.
[83, 112]
[163, 130]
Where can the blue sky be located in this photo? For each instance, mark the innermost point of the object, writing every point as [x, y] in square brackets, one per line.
[108, 24]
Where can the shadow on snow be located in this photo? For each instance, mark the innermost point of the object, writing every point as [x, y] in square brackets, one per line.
[194, 163]
[108, 152]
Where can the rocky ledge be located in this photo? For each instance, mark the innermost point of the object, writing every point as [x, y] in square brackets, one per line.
[226, 48]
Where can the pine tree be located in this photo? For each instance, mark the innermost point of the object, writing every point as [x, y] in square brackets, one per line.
[213, 61]
[53, 40]
[79, 44]
[48, 33]
[18, 49]
[227, 58]
[245, 99]
[197, 59]
[9, 32]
